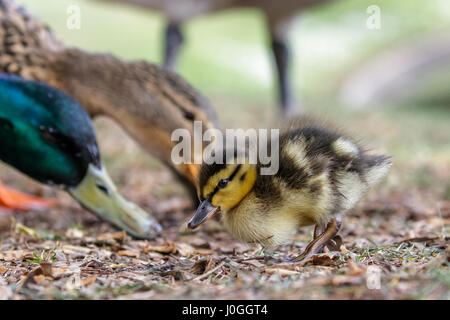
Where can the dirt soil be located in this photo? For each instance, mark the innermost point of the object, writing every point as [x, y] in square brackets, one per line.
[395, 247]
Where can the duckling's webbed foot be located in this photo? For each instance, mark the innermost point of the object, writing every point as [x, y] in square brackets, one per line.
[328, 238]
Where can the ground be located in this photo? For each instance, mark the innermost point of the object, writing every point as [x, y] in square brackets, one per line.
[397, 234]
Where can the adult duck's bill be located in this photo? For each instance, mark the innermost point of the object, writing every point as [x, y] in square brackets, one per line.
[204, 212]
[98, 193]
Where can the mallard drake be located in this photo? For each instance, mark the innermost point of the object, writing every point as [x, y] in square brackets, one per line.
[278, 14]
[321, 175]
[149, 102]
[48, 136]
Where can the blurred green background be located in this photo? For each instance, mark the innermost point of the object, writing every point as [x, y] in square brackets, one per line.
[227, 57]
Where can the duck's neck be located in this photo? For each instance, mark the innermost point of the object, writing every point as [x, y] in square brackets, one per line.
[146, 100]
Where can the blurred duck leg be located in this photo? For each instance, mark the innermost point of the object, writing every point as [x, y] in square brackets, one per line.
[174, 41]
[282, 59]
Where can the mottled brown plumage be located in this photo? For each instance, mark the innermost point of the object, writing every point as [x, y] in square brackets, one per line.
[146, 100]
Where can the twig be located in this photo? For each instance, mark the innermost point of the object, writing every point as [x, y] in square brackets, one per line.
[205, 275]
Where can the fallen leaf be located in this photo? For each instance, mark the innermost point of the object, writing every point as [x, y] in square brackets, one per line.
[88, 281]
[355, 269]
[41, 279]
[254, 263]
[339, 280]
[120, 236]
[5, 292]
[46, 267]
[14, 255]
[185, 250]
[281, 271]
[129, 253]
[167, 247]
[74, 233]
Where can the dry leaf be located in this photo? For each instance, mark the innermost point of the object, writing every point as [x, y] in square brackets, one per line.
[5, 292]
[339, 280]
[14, 255]
[185, 250]
[120, 236]
[254, 263]
[129, 253]
[355, 269]
[46, 267]
[70, 249]
[88, 281]
[281, 272]
[167, 247]
[74, 233]
[41, 279]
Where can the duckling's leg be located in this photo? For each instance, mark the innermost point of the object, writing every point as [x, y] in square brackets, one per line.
[320, 240]
[174, 40]
[15, 200]
[281, 53]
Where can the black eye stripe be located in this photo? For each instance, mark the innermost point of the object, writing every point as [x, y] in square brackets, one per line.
[234, 172]
[217, 188]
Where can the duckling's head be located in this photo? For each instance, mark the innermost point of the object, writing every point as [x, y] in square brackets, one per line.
[222, 186]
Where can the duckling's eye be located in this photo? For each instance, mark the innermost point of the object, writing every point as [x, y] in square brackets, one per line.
[223, 183]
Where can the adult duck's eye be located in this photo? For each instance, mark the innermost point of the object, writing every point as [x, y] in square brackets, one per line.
[6, 125]
[103, 189]
[223, 183]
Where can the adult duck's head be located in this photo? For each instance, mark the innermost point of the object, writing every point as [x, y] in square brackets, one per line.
[48, 136]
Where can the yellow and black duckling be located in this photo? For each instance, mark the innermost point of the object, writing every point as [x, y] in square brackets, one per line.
[48, 136]
[322, 174]
[147, 101]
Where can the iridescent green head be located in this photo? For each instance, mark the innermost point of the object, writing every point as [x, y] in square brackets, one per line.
[47, 135]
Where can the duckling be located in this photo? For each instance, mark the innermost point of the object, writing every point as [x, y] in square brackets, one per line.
[48, 136]
[322, 174]
[278, 14]
[147, 101]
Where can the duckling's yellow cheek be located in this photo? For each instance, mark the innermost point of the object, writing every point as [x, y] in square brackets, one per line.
[235, 191]
[227, 200]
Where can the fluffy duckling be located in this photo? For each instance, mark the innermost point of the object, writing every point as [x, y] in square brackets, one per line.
[322, 174]
[48, 136]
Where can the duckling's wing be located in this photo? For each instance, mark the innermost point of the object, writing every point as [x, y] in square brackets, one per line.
[358, 176]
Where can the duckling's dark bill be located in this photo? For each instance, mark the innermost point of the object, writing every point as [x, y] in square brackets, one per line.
[204, 212]
[99, 194]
